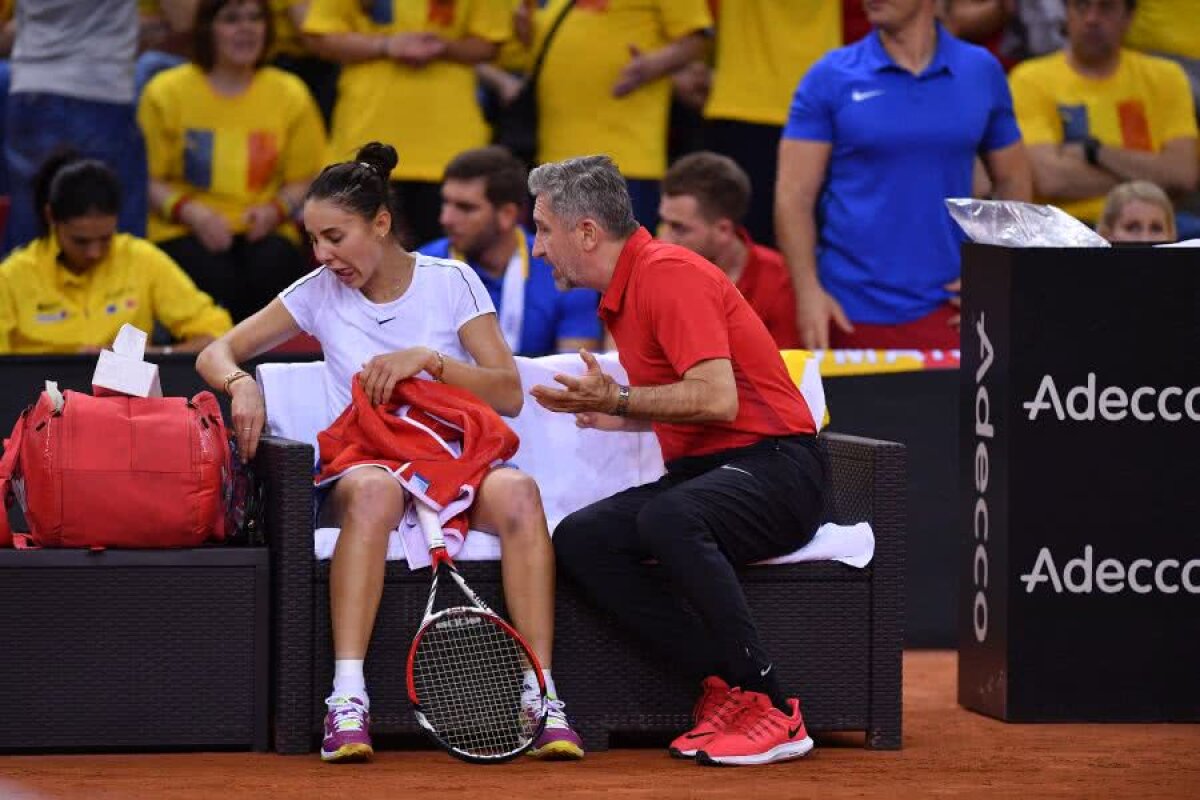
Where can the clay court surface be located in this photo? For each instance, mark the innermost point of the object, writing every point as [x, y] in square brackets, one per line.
[948, 752]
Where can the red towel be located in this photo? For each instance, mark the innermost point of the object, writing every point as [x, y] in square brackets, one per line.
[411, 435]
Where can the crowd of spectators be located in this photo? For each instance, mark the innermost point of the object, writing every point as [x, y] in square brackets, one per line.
[829, 129]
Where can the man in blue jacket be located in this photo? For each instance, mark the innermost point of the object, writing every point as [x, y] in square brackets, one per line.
[483, 200]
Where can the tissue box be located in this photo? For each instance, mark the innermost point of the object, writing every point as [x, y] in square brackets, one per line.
[122, 370]
[118, 374]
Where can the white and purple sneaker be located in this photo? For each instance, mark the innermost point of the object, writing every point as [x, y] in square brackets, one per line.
[558, 740]
[347, 738]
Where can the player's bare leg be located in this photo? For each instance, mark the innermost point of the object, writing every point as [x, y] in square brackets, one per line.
[367, 504]
[510, 505]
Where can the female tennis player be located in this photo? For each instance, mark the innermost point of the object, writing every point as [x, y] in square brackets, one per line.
[386, 314]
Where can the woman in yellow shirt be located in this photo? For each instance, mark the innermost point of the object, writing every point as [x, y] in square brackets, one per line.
[231, 146]
[71, 289]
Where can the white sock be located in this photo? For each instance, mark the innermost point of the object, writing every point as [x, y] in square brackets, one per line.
[551, 692]
[348, 680]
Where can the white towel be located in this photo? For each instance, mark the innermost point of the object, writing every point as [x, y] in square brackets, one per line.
[573, 467]
[512, 290]
[512, 294]
[289, 394]
[850, 544]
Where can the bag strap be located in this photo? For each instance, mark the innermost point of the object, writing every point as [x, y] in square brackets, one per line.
[12, 449]
[541, 56]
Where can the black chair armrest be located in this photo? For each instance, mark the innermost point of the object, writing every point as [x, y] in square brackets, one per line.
[870, 484]
[285, 467]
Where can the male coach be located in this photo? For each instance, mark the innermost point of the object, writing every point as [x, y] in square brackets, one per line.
[746, 474]
[483, 199]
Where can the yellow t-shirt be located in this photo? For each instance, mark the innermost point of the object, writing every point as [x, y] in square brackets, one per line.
[429, 114]
[230, 153]
[1166, 26]
[756, 84]
[287, 37]
[577, 113]
[46, 308]
[1143, 105]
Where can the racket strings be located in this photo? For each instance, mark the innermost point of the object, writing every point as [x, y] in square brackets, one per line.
[470, 679]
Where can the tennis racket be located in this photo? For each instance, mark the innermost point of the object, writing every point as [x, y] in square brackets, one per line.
[475, 685]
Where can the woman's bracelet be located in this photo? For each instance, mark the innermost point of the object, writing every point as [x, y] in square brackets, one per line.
[441, 367]
[236, 375]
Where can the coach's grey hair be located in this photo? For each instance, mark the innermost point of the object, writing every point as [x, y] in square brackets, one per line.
[588, 186]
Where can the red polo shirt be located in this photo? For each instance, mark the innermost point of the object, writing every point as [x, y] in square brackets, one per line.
[669, 309]
[767, 287]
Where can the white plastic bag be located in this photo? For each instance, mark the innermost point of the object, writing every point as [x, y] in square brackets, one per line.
[1013, 224]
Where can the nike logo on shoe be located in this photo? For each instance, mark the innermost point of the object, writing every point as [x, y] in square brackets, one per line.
[858, 96]
[698, 735]
[793, 731]
[763, 673]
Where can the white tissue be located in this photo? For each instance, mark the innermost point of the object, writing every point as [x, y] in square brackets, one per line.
[123, 370]
[130, 342]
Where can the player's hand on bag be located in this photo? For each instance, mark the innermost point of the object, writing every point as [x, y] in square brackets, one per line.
[381, 374]
[261, 220]
[592, 391]
[209, 227]
[249, 412]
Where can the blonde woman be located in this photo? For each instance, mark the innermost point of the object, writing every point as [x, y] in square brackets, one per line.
[1137, 212]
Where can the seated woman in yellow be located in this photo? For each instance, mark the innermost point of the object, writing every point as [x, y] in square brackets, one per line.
[231, 146]
[71, 289]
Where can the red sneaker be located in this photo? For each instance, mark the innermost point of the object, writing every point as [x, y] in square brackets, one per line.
[761, 734]
[717, 706]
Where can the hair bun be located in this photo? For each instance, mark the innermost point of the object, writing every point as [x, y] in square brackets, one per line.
[379, 157]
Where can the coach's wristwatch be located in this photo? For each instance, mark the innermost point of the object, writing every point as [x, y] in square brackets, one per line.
[622, 401]
[1091, 151]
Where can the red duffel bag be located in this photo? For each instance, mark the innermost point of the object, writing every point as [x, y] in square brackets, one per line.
[117, 471]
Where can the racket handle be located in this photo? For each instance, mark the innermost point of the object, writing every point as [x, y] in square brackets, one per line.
[431, 526]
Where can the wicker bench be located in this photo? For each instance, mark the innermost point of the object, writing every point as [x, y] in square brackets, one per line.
[835, 631]
[135, 649]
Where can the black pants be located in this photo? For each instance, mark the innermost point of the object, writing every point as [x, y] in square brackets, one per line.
[756, 149]
[706, 515]
[243, 278]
